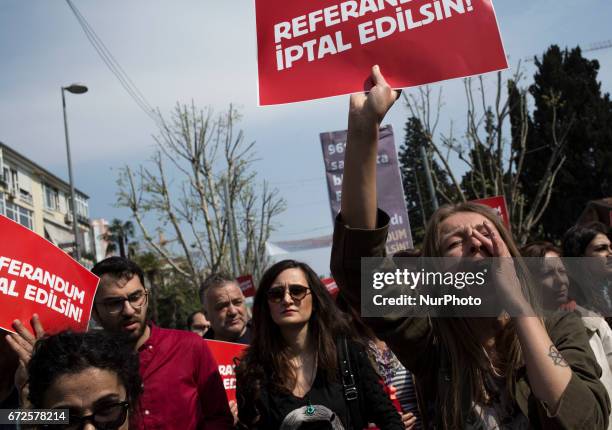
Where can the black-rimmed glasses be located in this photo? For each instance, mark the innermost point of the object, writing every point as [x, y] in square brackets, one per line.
[114, 305]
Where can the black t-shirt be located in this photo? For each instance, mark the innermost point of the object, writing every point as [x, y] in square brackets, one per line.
[322, 408]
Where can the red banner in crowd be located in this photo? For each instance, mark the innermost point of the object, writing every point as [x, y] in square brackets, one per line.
[499, 204]
[38, 277]
[224, 353]
[246, 285]
[308, 50]
[331, 286]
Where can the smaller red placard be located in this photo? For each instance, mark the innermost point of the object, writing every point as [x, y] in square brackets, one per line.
[330, 283]
[246, 285]
[499, 204]
[225, 353]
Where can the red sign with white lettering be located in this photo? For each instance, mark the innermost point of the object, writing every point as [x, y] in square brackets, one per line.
[499, 204]
[246, 285]
[308, 50]
[38, 277]
[225, 353]
[331, 286]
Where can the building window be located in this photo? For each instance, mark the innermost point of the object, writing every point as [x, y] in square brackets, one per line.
[82, 207]
[21, 215]
[25, 196]
[51, 198]
[25, 186]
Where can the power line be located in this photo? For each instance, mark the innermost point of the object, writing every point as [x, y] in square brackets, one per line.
[596, 46]
[113, 65]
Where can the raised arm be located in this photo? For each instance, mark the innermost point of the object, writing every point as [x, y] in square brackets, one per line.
[361, 230]
[366, 112]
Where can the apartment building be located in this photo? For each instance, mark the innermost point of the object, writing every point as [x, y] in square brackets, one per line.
[39, 200]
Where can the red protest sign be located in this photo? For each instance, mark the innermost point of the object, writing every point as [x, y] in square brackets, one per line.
[224, 353]
[308, 50]
[331, 286]
[38, 277]
[246, 285]
[499, 204]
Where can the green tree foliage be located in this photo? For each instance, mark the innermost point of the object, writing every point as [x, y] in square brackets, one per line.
[118, 237]
[474, 184]
[493, 162]
[171, 297]
[416, 191]
[566, 89]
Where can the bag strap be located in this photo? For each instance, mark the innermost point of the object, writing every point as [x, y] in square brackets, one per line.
[351, 394]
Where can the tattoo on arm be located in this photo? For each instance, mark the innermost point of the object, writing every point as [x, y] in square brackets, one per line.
[556, 357]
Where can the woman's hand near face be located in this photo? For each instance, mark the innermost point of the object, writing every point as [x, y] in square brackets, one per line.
[548, 371]
[504, 275]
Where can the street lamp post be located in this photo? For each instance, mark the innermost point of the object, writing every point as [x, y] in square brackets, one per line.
[74, 89]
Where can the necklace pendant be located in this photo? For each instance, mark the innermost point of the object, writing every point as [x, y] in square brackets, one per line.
[310, 410]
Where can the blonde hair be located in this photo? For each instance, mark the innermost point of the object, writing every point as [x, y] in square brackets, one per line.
[470, 363]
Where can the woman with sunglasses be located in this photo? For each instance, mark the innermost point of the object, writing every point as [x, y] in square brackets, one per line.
[92, 375]
[292, 373]
[514, 370]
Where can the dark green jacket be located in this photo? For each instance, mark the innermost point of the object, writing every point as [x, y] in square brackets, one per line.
[584, 404]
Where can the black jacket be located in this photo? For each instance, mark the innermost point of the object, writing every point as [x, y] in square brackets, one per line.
[374, 404]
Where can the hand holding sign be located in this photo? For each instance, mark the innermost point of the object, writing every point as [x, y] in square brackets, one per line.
[371, 107]
[22, 342]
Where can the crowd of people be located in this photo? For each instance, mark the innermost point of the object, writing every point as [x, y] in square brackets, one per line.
[313, 362]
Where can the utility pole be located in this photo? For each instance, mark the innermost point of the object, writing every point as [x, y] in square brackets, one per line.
[430, 185]
[74, 89]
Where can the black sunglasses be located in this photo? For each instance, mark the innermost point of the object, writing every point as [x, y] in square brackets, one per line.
[109, 417]
[297, 292]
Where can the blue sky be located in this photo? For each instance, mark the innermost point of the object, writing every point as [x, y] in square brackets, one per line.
[204, 50]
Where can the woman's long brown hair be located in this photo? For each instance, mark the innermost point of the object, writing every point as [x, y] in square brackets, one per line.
[469, 360]
[266, 361]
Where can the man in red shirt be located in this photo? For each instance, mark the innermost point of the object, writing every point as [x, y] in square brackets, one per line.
[181, 382]
[182, 387]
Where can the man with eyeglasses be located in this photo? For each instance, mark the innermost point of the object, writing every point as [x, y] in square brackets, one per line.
[182, 387]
